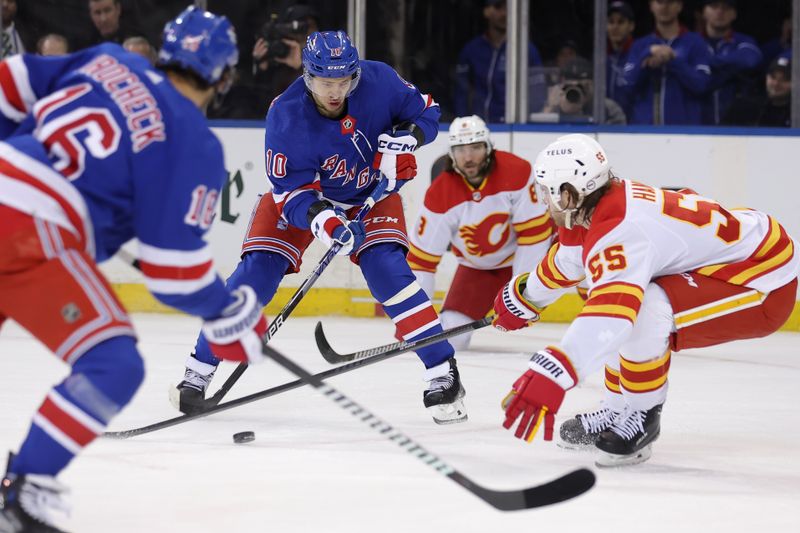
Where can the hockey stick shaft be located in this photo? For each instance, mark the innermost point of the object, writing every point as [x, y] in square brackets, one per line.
[333, 357]
[563, 488]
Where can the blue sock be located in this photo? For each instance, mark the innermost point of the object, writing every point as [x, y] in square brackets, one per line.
[102, 382]
[261, 270]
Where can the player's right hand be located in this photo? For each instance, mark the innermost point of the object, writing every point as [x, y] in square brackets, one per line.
[331, 226]
[236, 334]
[538, 393]
[512, 309]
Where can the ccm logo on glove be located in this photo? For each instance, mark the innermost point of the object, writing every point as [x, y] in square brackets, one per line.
[392, 146]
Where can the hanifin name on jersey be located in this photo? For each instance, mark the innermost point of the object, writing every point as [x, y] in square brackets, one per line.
[132, 97]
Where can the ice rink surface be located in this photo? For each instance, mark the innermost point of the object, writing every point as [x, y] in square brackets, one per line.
[728, 458]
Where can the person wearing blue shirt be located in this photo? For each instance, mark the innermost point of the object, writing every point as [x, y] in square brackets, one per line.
[330, 137]
[481, 68]
[735, 55]
[668, 72]
[620, 26]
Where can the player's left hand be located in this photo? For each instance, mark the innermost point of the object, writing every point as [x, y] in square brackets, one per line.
[236, 334]
[512, 310]
[538, 393]
[395, 158]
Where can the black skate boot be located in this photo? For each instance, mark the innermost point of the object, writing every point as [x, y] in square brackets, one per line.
[190, 394]
[582, 431]
[28, 504]
[444, 396]
[629, 439]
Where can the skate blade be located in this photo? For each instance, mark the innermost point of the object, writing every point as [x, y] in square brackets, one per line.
[610, 460]
[451, 413]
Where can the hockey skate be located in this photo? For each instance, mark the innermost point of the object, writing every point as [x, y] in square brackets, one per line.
[31, 504]
[444, 396]
[629, 439]
[189, 395]
[582, 431]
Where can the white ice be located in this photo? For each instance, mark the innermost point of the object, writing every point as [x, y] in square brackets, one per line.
[728, 458]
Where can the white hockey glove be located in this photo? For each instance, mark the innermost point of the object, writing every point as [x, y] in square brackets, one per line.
[512, 309]
[332, 226]
[236, 335]
[395, 158]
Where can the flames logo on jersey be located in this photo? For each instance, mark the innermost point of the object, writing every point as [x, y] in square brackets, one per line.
[478, 238]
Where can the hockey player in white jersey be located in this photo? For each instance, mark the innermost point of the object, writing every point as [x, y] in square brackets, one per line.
[666, 271]
[484, 206]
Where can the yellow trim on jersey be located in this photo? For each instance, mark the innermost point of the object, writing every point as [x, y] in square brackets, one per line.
[647, 366]
[609, 309]
[424, 255]
[709, 270]
[756, 270]
[532, 223]
[613, 387]
[637, 292]
[774, 236]
[648, 386]
[534, 239]
[718, 308]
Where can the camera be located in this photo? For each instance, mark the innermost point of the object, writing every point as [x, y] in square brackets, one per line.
[274, 32]
[573, 92]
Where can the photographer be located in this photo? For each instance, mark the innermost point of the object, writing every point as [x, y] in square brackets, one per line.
[276, 54]
[572, 98]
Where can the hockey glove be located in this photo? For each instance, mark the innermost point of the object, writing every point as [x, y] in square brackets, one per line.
[395, 158]
[512, 309]
[236, 335]
[538, 393]
[331, 226]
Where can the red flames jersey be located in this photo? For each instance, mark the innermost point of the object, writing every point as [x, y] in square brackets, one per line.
[486, 226]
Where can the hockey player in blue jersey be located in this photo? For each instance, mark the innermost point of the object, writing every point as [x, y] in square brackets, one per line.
[99, 147]
[329, 137]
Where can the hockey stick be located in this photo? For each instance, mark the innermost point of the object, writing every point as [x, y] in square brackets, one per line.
[395, 348]
[284, 313]
[260, 395]
[563, 488]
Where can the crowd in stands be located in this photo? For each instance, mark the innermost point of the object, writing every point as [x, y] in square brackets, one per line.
[669, 62]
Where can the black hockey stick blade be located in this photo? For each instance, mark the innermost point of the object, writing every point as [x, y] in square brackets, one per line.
[395, 348]
[563, 488]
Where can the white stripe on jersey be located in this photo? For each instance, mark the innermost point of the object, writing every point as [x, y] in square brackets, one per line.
[170, 257]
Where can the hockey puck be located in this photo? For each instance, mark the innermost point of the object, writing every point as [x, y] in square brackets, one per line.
[244, 436]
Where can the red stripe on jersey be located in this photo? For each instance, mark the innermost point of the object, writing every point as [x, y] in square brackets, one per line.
[69, 94]
[9, 88]
[419, 319]
[8, 169]
[66, 423]
[153, 271]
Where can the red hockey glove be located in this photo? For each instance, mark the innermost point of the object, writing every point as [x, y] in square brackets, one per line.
[332, 226]
[237, 334]
[395, 158]
[538, 393]
[511, 308]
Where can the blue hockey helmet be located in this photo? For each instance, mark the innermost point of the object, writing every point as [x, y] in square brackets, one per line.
[199, 41]
[330, 54]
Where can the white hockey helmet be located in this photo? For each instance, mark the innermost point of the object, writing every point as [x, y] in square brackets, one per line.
[468, 130]
[576, 159]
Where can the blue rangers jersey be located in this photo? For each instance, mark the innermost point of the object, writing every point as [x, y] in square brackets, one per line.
[101, 144]
[310, 156]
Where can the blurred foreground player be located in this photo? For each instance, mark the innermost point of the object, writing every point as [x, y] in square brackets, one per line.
[329, 137]
[106, 148]
[667, 271]
[483, 205]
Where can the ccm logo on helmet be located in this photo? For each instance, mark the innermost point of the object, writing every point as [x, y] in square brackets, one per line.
[395, 146]
[561, 151]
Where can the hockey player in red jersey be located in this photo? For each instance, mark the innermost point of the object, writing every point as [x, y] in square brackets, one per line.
[106, 148]
[484, 207]
[666, 271]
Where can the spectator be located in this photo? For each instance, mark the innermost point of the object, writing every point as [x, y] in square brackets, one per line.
[140, 45]
[734, 56]
[11, 40]
[481, 69]
[773, 109]
[668, 71]
[52, 44]
[779, 46]
[573, 98]
[109, 24]
[620, 26]
[277, 60]
[567, 51]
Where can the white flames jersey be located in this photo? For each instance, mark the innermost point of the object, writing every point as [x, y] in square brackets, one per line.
[639, 233]
[485, 226]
